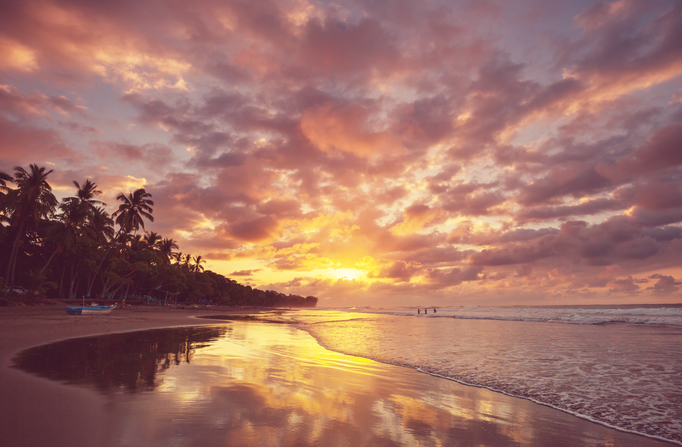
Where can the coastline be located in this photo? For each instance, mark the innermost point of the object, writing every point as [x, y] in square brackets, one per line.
[551, 370]
[36, 411]
[499, 391]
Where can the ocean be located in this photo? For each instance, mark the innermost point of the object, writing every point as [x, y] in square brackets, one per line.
[620, 366]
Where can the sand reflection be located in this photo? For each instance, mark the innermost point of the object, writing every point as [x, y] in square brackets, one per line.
[249, 383]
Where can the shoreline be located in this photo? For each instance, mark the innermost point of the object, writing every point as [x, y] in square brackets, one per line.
[498, 391]
[15, 320]
[36, 411]
[25, 327]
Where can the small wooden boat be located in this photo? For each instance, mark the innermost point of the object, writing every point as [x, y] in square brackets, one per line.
[90, 310]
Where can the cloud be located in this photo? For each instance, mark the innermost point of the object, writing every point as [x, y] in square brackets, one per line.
[153, 156]
[623, 286]
[448, 143]
[253, 230]
[341, 47]
[453, 277]
[347, 128]
[244, 272]
[14, 104]
[661, 152]
[22, 144]
[665, 284]
[399, 270]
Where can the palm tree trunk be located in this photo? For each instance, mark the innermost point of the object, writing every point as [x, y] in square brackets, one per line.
[73, 279]
[48, 262]
[99, 267]
[13, 256]
[61, 282]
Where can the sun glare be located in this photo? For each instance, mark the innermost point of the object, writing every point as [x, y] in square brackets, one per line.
[345, 273]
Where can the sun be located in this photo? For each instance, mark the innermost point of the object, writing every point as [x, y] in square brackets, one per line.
[345, 273]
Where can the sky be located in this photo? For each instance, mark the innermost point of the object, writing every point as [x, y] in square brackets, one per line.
[378, 153]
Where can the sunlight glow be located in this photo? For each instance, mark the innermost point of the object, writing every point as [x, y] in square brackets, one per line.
[345, 273]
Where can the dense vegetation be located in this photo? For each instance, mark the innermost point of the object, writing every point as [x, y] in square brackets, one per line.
[75, 249]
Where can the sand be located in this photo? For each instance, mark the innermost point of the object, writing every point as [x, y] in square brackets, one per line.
[38, 412]
[274, 385]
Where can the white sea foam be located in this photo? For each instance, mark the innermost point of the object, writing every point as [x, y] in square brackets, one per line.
[622, 375]
[637, 315]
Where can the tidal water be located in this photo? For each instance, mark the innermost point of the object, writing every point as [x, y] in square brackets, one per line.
[244, 383]
[619, 366]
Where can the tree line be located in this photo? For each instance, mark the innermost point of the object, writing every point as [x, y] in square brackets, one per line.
[74, 249]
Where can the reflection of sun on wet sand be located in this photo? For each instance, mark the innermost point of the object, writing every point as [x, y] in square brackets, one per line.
[245, 383]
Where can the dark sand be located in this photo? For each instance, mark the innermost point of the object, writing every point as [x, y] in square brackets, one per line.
[37, 412]
[273, 385]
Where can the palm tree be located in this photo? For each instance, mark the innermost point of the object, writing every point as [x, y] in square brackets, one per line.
[101, 224]
[28, 204]
[136, 243]
[166, 246]
[68, 229]
[185, 260]
[197, 267]
[4, 178]
[135, 206]
[152, 239]
[86, 195]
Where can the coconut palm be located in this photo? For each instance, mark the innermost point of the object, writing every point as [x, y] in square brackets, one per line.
[152, 239]
[86, 195]
[68, 229]
[135, 206]
[166, 246]
[136, 243]
[30, 202]
[197, 267]
[4, 178]
[101, 224]
[185, 260]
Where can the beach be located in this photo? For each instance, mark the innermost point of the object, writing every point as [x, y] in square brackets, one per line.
[254, 383]
[37, 412]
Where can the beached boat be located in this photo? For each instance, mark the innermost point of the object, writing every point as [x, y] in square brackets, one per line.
[89, 310]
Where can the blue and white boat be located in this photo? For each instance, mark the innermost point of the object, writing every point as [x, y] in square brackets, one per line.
[90, 310]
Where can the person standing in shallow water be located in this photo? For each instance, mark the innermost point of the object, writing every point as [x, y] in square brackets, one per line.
[419, 310]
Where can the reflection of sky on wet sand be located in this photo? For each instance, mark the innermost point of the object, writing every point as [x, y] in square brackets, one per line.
[266, 384]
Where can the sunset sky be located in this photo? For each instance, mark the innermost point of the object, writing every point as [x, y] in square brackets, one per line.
[371, 152]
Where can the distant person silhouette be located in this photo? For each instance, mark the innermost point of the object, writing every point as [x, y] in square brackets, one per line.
[419, 311]
[426, 310]
[434, 310]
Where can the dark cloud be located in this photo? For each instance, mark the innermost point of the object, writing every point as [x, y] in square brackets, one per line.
[244, 272]
[665, 284]
[623, 286]
[453, 277]
[253, 230]
[661, 152]
[399, 270]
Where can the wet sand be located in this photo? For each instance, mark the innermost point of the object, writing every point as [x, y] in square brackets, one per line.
[261, 385]
[40, 412]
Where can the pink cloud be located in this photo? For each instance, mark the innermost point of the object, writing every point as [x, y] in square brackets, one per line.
[22, 144]
[665, 284]
[451, 144]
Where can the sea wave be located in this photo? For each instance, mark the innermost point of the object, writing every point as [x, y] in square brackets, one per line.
[637, 315]
[617, 375]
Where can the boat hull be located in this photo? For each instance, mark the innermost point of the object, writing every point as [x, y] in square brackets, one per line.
[90, 310]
